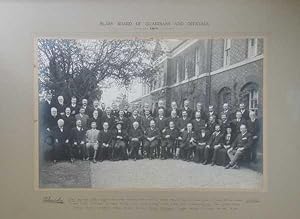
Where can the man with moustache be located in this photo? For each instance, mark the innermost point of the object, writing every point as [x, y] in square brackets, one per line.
[77, 140]
[151, 139]
[239, 147]
[83, 117]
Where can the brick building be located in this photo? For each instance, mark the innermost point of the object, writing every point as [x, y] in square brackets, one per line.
[210, 71]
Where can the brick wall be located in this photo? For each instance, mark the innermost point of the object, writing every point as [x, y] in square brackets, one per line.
[217, 54]
[238, 50]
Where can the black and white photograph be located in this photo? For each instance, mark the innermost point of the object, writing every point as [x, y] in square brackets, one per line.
[150, 113]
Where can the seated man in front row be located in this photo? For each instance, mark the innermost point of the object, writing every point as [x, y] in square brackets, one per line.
[92, 141]
[239, 147]
[61, 142]
[78, 141]
[151, 142]
[215, 143]
[169, 136]
[105, 138]
[119, 142]
[135, 138]
[187, 144]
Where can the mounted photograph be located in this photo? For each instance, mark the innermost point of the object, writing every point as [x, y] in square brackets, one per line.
[150, 113]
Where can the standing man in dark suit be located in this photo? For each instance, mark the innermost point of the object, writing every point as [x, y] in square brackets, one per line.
[69, 120]
[198, 122]
[45, 107]
[212, 112]
[78, 141]
[151, 139]
[60, 106]
[174, 118]
[183, 121]
[109, 118]
[134, 118]
[227, 112]
[135, 139]
[253, 128]
[93, 108]
[186, 107]
[244, 112]
[61, 142]
[174, 107]
[95, 118]
[114, 110]
[146, 119]
[52, 119]
[84, 104]
[236, 123]
[161, 105]
[224, 122]
[211, 124]
[122, 119]
[240, 146]
[74, 106]
[200, 109]
[127, 114]
[83, 117]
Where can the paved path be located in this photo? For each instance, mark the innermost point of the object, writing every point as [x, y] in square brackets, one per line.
[168, 174]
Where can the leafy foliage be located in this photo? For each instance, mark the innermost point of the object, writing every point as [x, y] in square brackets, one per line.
[81, 67]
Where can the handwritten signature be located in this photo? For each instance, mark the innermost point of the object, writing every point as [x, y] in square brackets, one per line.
[49, 199]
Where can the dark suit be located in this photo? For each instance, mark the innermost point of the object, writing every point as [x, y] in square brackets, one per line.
[119, 144]
[161, 123]
[61, 147]
[151, 146]
[190, 112]
[186, 146]
[77, 140]
[74, 109]
[146, 122]
[60, 109]
[132, 119]
[115, 113]
[69, 122]
[90, 111]
[182, 123]
[201, 142]
[110, 120]
[235, 124]
[127, 114]
[254, 128]
[135, 145]
[97, 120]
[198, 125]
[243, 142]
[168, 144]
[221, 155]
[245, 114]
[122, 120]
[215, 140]
[84, 120]
[175, 120]
[106, 138]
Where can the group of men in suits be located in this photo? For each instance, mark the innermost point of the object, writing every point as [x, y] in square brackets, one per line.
[100, 133]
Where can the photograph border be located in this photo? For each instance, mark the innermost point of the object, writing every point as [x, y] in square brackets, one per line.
[150, 35]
